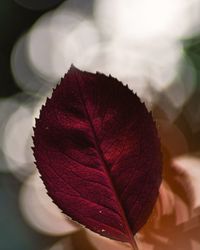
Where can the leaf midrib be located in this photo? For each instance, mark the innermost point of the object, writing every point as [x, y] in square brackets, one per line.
[105, 165]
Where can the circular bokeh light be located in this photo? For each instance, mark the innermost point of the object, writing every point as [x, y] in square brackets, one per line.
[39, 210]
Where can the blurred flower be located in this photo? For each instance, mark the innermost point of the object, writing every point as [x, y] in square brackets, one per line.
[174, 223]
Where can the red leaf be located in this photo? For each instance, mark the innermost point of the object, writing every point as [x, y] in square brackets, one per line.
[97, 149]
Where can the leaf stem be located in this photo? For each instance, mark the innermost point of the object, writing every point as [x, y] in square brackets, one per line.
[134, 244]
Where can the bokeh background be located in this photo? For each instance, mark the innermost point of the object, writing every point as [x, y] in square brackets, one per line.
[151, 45]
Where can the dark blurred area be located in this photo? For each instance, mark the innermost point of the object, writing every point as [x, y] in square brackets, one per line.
[15, 233]
[15, 20]
[154, 47]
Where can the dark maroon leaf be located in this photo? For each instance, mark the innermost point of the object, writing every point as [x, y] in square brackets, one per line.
[97, 150]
